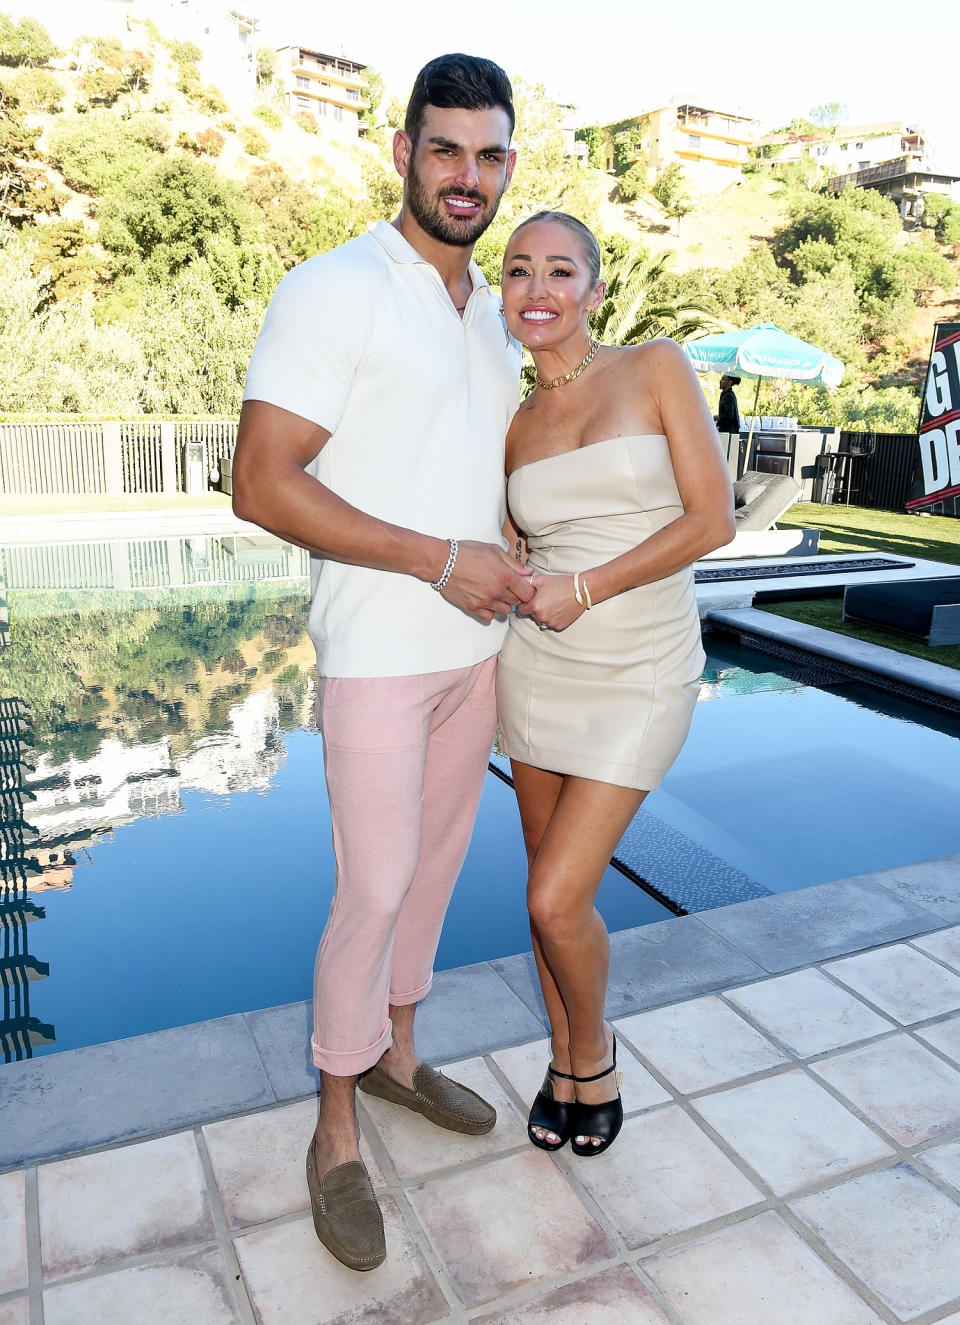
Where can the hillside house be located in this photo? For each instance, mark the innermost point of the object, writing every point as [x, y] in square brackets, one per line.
[329, 87]
[710, 145]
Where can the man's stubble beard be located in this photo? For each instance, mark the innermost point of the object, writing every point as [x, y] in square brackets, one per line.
[428, 211]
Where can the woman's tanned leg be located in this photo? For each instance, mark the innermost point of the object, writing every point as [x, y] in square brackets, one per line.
[583, 831]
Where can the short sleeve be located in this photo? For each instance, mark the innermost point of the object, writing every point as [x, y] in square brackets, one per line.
[310, 346]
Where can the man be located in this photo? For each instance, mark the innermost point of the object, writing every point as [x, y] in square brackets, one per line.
[376, 406]
[728, 415]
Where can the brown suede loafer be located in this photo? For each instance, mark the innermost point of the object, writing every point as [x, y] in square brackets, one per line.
[346, 1214]
[444, 1102]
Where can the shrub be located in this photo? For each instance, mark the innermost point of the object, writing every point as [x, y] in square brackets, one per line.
[228, 126]
[210, 142]
[254, 143]
[189, 78]
[271, 118]
[187, 143]
[149, 128]
[102, 85]
[96, 152]
[35, 90]
[185, 53]
[212, 100]
[633, 183]
[306, 121]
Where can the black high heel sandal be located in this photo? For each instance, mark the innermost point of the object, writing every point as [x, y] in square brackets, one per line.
[551, 1114]
[600, 1120]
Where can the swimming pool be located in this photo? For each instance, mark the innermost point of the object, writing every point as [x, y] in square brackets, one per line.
[165, 841]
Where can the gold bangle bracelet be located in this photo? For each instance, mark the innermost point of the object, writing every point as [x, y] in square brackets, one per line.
[576, 588]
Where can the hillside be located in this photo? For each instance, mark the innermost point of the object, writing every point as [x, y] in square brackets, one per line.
[721, 231]
[147, 223]
[308, 158]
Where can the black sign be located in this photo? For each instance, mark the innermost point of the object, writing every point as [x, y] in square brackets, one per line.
[936, 478]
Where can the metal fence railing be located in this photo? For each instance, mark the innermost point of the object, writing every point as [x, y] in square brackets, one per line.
[128, 456]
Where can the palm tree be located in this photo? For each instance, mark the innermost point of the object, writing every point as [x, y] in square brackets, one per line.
[632, 312]
[628, 316]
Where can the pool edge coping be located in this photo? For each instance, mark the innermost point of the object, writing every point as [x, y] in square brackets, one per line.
[49, 1090]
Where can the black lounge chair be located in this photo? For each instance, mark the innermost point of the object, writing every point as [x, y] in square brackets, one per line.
[923, 609]
[760, 500]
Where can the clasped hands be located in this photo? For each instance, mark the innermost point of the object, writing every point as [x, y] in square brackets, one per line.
[554, 605]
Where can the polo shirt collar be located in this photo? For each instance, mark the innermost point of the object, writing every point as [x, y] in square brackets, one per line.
[400, 250]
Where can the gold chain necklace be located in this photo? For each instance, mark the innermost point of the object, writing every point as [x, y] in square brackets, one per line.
[585, 362]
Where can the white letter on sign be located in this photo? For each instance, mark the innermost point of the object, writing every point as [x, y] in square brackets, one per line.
[953, 450]
[933, 458]
[938, 386]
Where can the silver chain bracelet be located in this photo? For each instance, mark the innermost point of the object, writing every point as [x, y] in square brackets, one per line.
[441, 584]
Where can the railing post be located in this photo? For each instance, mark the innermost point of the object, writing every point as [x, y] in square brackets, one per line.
[168, 460]
[112, 459]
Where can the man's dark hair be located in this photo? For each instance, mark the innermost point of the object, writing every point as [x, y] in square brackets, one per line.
[466, 82]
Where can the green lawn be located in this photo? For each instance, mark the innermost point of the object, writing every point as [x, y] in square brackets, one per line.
[855, 529]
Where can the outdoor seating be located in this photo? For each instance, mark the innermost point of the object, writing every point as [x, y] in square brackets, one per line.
[760, 500]
[924, 609]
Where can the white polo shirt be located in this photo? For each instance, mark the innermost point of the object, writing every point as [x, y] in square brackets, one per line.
[365, 342]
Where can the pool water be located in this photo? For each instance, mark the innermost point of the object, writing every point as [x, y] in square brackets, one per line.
[165, 848]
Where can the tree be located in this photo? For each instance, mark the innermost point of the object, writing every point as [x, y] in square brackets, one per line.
[25, 191]
[671, 192]
[829, 114]
[266, 65]
[942, 215]
[633, 183]
[66, 260]
[196, 349]
[180, 212]
[592, 135]
[26, 42]
[634, 309]
[373, 95]
[59, 359]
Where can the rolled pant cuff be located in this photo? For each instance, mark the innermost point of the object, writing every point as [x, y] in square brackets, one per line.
[403, 1000]
[354, 1062]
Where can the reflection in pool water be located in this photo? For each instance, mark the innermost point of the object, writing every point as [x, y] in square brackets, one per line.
[165, 847]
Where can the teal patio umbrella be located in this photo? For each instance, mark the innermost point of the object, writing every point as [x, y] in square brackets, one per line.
[764, 351]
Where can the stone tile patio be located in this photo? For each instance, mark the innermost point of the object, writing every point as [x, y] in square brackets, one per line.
[791, 1156]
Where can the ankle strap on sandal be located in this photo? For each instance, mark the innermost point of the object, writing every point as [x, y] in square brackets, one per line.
[597, 1075]
[566, 1076]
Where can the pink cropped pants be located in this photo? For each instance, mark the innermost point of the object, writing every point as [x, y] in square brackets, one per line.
[405, 762]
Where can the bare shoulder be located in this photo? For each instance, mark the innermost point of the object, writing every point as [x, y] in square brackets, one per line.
[651, 358]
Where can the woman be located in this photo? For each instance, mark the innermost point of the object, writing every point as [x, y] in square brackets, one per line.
[616, 485]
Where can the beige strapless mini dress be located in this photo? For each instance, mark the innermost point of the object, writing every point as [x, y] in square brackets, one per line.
[611, 697]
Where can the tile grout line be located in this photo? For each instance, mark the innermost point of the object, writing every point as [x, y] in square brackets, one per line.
[34, 1249]
[224, 1236]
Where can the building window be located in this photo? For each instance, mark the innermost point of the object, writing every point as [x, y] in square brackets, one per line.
[693, 142]
[859, 147]
[352, 95]
[844, 147]
[863, 165]
[338, 112]
[302, 82]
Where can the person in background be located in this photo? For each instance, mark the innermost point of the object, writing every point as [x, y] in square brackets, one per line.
[376, 406]
[728, 414]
